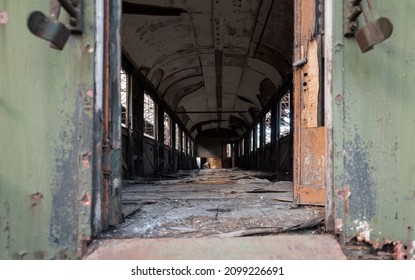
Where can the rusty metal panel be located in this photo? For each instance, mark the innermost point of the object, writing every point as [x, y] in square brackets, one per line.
[373, 128]
[46, 112]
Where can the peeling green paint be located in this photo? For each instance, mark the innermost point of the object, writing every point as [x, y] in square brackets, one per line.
[44, 127]
[373, 128]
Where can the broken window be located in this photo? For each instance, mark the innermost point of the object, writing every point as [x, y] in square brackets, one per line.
[149, 117]
[228, 150]
[167, 126]
[258, 135]
[124, 92]
[268, 127]
[177, 133]
[285, 114]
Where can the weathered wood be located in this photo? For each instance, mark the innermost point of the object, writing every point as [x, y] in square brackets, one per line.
[310, 86]
[309, 139]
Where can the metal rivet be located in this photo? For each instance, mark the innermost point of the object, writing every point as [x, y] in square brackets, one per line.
[89, 49]
[339, 99]
[4, 17]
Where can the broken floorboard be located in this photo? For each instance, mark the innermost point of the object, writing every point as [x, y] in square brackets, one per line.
[212, 203]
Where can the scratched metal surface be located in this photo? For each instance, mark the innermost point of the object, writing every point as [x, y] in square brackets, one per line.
[46, 100]
[373, 126]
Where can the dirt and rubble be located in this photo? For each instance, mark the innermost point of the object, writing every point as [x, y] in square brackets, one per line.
[221, 203]
[210, 202]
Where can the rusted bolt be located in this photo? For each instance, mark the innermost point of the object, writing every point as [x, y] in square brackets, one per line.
[89, 49]
[86, 199]
[4, 17]
[338, 99]
[86, 159]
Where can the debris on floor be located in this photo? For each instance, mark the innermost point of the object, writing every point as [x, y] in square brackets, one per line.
[209, 202]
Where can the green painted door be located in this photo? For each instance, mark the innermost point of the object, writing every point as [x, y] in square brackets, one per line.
[46, 136]
[374, 128]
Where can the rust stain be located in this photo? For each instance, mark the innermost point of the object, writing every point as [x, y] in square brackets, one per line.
[344, 195]
[399, 251]
[89, 49]
[40, 255]
[4, 17]
[35, 198]
[90, 93]
[338, 224]
[86, 159]
[86, 199]
[83, 247]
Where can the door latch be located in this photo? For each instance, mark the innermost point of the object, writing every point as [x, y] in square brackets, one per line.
[50, 29]
[373, 33]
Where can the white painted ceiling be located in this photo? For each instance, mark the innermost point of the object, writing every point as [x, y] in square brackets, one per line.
[212, 58]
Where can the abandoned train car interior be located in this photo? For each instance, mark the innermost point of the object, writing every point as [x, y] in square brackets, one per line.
[245, 128]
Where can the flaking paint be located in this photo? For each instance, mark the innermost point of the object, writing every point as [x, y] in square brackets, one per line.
[373, 124]
[46, 125]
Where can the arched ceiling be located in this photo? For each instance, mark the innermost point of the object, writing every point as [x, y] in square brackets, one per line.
[215, 60]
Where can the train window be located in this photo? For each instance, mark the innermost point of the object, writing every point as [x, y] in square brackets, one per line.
[167, 127]
[149, 117]
[285, 112]
[177, 144]
[268, 127]
[242, 147]
[183, 142]
[124, 92]
[258, 135]
[188, 145]
[252, 141]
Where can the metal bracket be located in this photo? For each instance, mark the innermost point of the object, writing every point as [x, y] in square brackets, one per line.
[373, 33]
[50, 29]
[74, 8]
[353, 9]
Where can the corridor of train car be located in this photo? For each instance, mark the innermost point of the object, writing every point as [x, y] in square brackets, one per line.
[208, 102]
